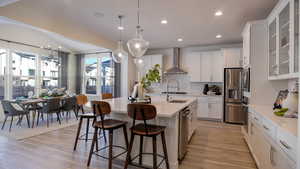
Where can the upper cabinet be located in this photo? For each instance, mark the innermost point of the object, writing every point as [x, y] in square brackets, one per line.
[149, 61]
[283, 40]
[232, 56]
[246, 46]
[205, 66]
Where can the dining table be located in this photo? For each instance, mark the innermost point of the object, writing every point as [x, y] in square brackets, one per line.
[34, 104]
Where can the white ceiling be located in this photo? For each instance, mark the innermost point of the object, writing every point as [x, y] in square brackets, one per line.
[192, 20]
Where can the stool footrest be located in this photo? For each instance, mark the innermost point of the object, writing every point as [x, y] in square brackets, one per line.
[146, 167]
[106, 147]
[82, 137]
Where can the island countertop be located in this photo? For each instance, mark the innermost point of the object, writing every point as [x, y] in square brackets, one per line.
[163, 108]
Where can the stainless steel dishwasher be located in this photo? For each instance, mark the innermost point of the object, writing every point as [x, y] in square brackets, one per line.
[183, 133]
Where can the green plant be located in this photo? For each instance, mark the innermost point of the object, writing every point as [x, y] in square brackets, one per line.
[152, 76]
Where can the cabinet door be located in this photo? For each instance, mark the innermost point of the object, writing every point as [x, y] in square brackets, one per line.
[193, 66]
[279, 160]
[206, 66]
[273, 66]
[217, 65]
[296, 36]
[284, 40]
[215, 110]
[202, 107]
[232, 57]
[246, 45]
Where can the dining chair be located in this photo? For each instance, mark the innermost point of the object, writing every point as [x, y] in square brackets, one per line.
[12, 109]
[68, 105]
[145, 112]
[50, 106]
[107, 96]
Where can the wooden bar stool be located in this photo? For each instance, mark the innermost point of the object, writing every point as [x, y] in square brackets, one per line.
[81, 101]
[102, 108]
[145, 112]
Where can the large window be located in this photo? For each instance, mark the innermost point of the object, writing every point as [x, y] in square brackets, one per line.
[3, 55]
[49, 72]
[23, 71]
[99, 74]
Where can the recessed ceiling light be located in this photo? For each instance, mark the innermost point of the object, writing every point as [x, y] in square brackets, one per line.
[164, 21]
[219, 36]
[179, 39]
[59, 47]
[120, 27]
[218, 13]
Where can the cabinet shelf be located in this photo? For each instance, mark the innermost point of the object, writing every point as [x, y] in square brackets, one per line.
[284, 46]
[284, 25]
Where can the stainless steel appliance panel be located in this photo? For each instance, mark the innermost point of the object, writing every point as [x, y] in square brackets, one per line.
[235, 113]
[233, 85]
[183, 133]
[246, 80]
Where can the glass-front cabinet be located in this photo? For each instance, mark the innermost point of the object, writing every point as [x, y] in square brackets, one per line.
[283, 29]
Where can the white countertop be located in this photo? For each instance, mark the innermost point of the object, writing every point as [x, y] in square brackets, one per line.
[193, 94]
[288, 124]
[163, 108]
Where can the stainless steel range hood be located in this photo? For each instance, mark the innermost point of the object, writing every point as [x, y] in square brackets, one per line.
[176, 63]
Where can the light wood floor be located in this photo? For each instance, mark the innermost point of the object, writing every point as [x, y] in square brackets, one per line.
[213, 146]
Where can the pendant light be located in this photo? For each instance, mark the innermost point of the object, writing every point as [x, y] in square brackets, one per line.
[119, 54]
[138, 46]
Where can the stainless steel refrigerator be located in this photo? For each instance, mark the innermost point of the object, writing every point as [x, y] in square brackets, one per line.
[233, 108]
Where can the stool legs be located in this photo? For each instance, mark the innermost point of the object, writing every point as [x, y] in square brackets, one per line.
[141, 150]
[163, 139]
[78, 133]
[154, 152]
[87, 130]
[93, 145]
[110, 149]
[128, 159]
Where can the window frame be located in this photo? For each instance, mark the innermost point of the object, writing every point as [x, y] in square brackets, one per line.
[11, 75]
[98, 74]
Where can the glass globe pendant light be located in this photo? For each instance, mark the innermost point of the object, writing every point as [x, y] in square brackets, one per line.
[119, 54]
[138, 46]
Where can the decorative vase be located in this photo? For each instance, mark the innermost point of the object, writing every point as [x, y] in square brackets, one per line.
[141, 91]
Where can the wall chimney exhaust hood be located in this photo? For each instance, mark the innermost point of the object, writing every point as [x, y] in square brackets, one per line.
[176, 64]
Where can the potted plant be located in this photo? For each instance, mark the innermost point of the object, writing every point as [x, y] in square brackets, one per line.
[152, 76]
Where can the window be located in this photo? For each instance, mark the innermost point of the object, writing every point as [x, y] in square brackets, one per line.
[3, 56]
[23, 71]
[49, 72]
[99, 74]
[90, 72]
[107, 75]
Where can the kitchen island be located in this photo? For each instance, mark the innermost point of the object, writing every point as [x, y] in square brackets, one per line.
[168, 114]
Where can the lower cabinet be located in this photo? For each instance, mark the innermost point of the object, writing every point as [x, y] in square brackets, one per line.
[210, 108]
[266, 152]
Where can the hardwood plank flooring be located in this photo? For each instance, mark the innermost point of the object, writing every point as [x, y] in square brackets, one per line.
[213, 146]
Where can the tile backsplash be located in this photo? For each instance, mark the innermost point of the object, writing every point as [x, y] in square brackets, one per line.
[184, 84]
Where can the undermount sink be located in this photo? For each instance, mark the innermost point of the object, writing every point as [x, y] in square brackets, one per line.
[177, 101]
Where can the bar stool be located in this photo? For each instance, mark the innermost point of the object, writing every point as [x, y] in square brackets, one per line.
[145, 112]
[81, 101]
[102, 108]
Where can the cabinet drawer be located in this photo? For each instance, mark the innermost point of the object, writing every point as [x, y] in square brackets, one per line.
[214, 100]
[288, 143]
[256, 118]
[269, 128]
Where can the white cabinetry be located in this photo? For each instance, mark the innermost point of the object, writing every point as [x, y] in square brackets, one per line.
[210, 108]
[193, 66]
[205, 66]
[232, 57]
[149, 61]
[267, 149]
[246, 46]
[283, 40]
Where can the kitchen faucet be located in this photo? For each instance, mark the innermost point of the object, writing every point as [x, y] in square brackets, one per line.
[168, 86]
